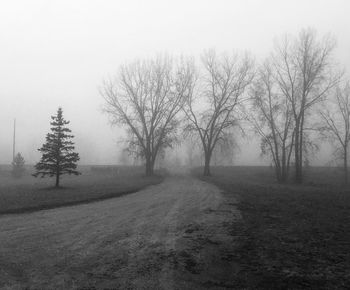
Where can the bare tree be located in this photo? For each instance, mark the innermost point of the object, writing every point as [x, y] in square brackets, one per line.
[146, 97]
[272, 118]
[211, 109]
[124, 157]
[225, 150]
[304, 68]
[336, 123]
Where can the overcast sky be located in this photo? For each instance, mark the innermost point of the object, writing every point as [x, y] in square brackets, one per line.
[56, 53]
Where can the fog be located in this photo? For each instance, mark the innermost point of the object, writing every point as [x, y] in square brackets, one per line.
[56, 53]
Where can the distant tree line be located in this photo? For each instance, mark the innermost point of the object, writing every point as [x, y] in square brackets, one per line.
[286, 98]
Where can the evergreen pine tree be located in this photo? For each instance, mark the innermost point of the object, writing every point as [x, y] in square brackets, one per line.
[58, 156]
[18, 166]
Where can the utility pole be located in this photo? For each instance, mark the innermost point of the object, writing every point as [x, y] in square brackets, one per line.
[14, 140]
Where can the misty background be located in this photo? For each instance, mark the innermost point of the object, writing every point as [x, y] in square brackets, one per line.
[57, 53]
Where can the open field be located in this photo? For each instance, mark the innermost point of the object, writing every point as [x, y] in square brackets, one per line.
[30, 194]
[294, 237]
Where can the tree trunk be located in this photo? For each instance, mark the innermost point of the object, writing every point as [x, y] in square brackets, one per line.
[298, 167]
[57, 179]
[290, 154]
[345, 165]
[207, 157]
[297, 147]
[278, 172]
[301, 143]
[284, 175]
[284, 172]
[149, 166]
[296, 152]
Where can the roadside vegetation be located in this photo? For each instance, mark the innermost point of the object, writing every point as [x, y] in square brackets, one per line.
[289, 237]
[95, 183]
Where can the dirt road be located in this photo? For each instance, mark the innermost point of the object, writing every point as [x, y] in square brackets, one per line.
[168, 236]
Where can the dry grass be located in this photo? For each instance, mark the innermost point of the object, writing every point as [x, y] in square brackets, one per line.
[30, 194]
[290, 237]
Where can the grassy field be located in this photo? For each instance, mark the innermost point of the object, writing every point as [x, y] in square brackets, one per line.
[290, 237]
[30, 194]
